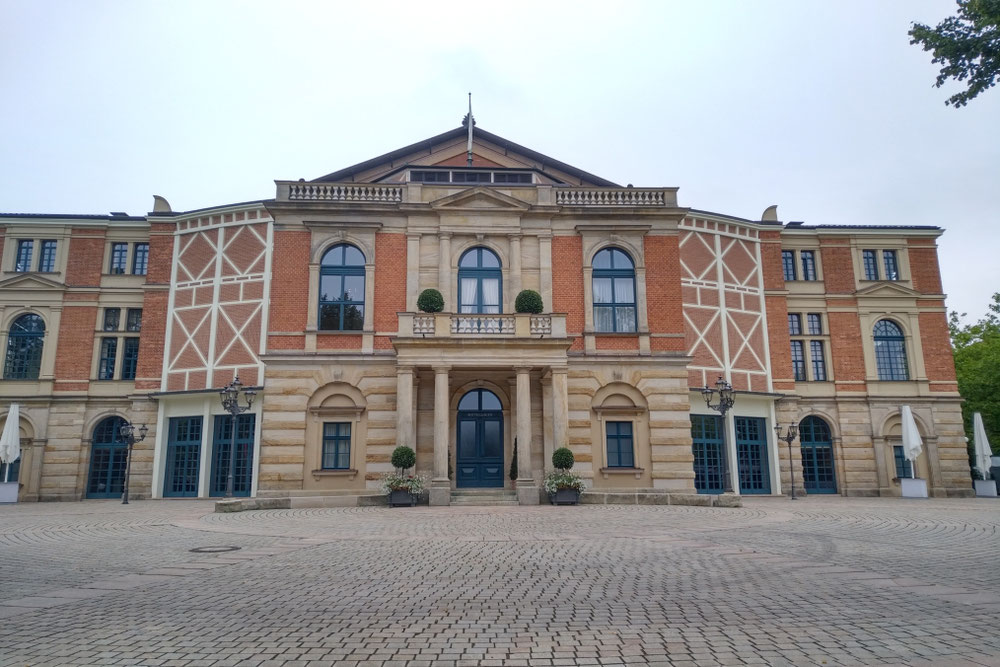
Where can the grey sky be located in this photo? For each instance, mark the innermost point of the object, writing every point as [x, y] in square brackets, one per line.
[821, 108]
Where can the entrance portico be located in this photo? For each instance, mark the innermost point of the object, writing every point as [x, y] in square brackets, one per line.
[468, 366]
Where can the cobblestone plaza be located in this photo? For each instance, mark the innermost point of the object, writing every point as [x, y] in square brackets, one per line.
[825, 581]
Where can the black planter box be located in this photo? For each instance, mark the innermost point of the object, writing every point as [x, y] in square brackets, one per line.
[565, 497]
[402, 499]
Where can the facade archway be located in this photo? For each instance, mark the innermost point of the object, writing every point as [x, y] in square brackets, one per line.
[108, 457]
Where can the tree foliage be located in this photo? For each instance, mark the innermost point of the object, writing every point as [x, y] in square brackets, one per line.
[967, 47]
[430, 301]
[977, 363]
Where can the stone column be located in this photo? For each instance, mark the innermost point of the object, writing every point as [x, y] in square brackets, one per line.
[527, 492]
[560, 407]
[515, 266]
[440, 493]
[404, 407]
[444, 272]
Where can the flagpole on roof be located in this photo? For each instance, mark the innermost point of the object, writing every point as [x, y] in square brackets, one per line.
[468, 120]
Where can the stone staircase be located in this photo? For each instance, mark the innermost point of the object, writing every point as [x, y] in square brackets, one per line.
[481, 497]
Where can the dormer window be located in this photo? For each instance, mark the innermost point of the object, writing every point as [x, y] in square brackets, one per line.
[470, 176]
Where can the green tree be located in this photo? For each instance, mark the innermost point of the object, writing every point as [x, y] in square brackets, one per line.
[967, 46]
[976, 348]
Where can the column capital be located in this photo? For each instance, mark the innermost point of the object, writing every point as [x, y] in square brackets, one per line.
[441, 370]
[444, 236]
[559, 370]
[414, 235]
[515, 237]
[405, 368]
[522, 369]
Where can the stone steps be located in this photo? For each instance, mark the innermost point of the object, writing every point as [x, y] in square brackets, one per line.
[484, 497]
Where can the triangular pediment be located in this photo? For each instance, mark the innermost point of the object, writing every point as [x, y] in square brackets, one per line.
[30, 281]
[480, 198]
[887, 288]
[450, 149]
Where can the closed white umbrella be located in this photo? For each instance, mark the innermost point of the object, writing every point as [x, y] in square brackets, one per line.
[983, 451]
[10, 441]
[912, 444]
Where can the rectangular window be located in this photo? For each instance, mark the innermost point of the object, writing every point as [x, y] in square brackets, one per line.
[336, 445]
[815, 322]
[140, 259]
[130, 358]
[808, 265]
[871, 264]
[106, 369]
[430, 176]
[798, 360]
[503, 177]
[620, 451]
[112, 318]
[133, 321]
[47, 258]
[794, 324]
[470, 177]
[119, 258]
[788, 264]
[904, 468]
[891, 266]
[818, 360]
[24, 250]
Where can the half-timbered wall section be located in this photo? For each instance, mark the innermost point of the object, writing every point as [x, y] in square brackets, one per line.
[723, 294]
[218, 301]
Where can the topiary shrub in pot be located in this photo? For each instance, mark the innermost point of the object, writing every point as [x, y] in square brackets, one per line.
[563, 486]
[430, 301]
[528, 301]
[401, 488]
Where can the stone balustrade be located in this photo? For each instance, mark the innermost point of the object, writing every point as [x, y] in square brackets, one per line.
[617, 197]
[451, 325]
[375, 193]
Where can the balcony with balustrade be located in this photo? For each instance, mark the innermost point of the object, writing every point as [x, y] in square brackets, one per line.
[481, 339]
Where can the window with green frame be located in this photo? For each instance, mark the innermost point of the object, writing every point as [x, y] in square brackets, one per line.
[24, 348]
[614, 292]
[336, 445]
[480, 282]
[621, 450]
[342, 289]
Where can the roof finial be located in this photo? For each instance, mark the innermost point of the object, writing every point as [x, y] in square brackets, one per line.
[469, 121]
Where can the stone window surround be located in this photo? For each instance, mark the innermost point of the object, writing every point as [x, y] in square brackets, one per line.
[9, 259]
[902, 261]
[806, 338]
[908, 324]
[631, 240]
[324, 237]
[121, 333]
[318, 416]
[51, 317]
[639, 442]
[797, 258]
[109, 243]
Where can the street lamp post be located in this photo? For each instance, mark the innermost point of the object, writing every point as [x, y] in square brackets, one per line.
[722, 406]
[230, 395]
[127, 433]
[791, 432]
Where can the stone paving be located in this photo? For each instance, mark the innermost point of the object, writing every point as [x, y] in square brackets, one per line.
[822, 581]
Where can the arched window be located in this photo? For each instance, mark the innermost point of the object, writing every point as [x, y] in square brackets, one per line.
[614, 291]
[890, 351]
[342, 289]
[816, 443]
[108, 456]
[479, 281]
[24, 348]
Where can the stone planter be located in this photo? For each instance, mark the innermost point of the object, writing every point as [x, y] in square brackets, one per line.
[565, 497]
[8, 492]
[402, 499]
[913, 488]
[985, 488]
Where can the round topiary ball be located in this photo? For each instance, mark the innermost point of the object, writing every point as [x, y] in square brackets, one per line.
[430, 301]
[403, 457]
[528, 301]
[563, 459]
